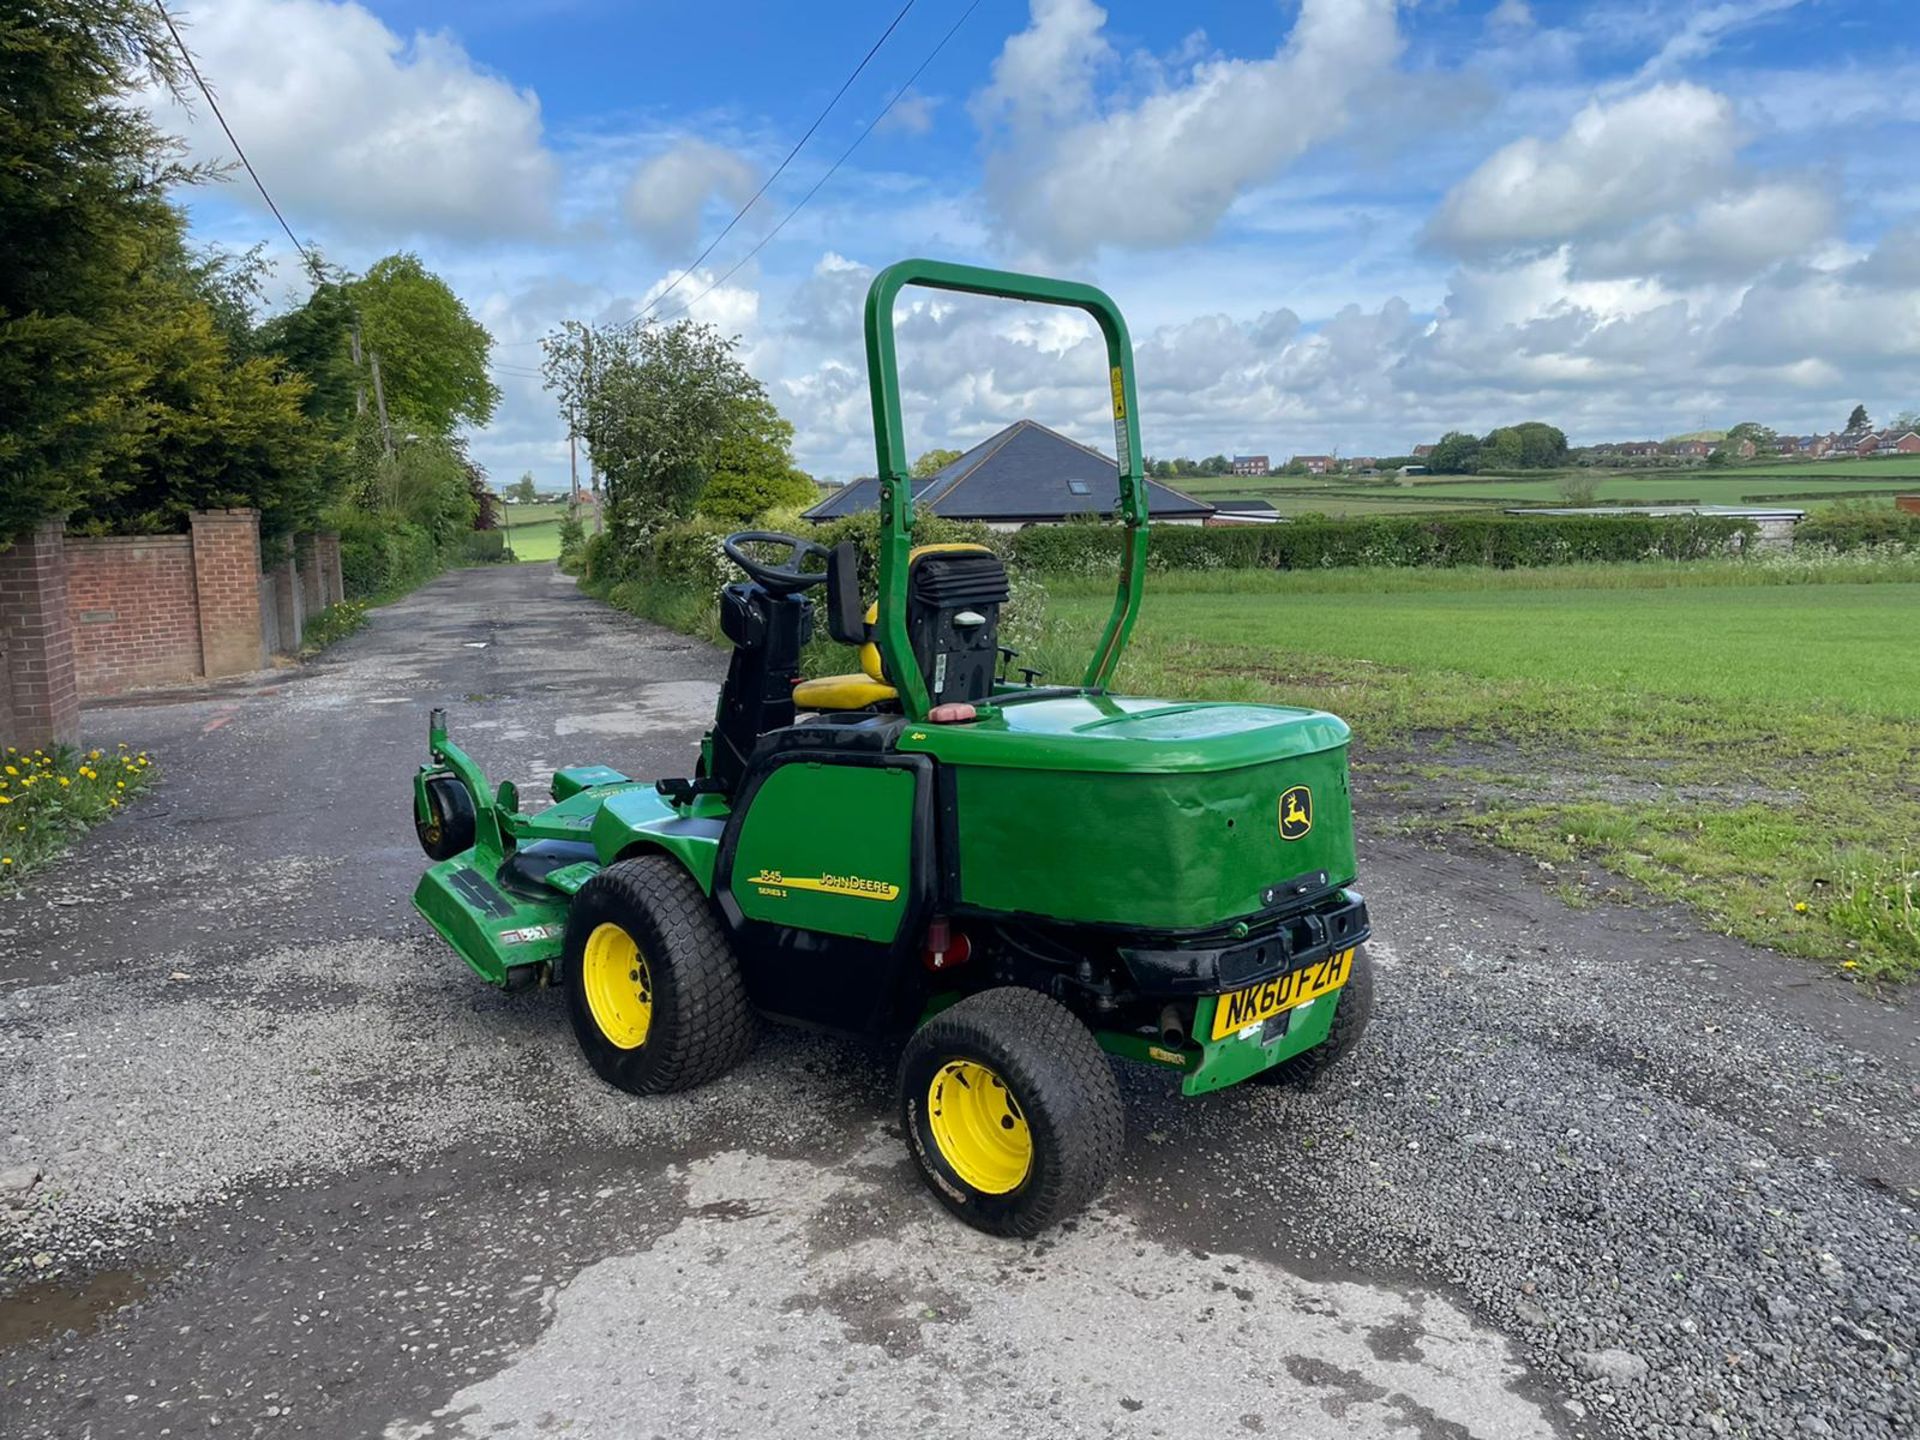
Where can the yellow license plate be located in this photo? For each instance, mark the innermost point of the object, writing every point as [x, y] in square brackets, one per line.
[1241, 1008]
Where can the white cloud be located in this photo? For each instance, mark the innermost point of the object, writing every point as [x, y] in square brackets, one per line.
[671, 189]
[911, 114]
[357, 130]
[1615, 163]
[1510, 17]
[1163, 171]
[1737, 233]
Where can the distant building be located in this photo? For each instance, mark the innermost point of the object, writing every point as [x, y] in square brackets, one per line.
[1025, 475]
[1316, 464]
[1689, 449]
[1251, 465]
[1421, 452]
[1361, 462]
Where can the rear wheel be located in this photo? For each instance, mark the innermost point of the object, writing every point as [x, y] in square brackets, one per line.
[653, 989]
[1011, 1110]
[1350, 1018]
[448, 828]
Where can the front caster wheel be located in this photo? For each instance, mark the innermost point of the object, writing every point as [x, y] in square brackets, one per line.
[1011, 1111]
[448, 827]
[653, 989]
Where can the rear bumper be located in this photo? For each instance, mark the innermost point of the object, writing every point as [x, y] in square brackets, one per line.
[1336, 921]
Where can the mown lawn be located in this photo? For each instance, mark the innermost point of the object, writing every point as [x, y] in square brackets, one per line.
[1742, 736]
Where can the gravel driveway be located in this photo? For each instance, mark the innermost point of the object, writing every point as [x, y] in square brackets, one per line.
[272, 1162]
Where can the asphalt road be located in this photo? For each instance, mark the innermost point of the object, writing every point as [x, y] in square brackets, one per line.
[1592, 1172]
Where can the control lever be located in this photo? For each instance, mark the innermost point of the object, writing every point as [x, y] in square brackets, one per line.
[1007, 656]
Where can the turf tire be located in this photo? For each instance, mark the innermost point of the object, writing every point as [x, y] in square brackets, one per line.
[702, 1025]
[448, 829]
[1308, 1069]
[1064, 1085]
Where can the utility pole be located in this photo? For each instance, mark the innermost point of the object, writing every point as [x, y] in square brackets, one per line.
[593, 476]
[359, 385]
[380, 399]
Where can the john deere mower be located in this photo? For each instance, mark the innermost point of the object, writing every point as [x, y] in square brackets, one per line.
[1016, 880]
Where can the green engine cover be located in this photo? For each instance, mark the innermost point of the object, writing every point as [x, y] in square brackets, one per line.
[1145, 813]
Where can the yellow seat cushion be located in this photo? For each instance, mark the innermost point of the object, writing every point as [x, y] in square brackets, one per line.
[842, 692]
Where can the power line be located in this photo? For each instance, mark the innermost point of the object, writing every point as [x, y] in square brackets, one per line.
[232, 139]
[830, 169]
[871, 52]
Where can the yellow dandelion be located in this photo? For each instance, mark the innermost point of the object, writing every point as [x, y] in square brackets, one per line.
[1799, 907]
[6, 800]
[12, 771]
[6, 859]
[65, 782]
[93, 755]
[119, 784]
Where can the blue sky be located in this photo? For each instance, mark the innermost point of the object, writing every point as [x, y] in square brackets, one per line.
[1334, 225]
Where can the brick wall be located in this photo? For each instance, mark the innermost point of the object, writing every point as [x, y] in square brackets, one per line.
[39, 701]
[136, 618]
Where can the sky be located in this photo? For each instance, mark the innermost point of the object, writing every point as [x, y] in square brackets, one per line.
[1336, 226]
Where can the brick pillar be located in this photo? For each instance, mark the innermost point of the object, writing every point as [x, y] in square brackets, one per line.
[286, 596]
[39, 699]
[327, 543]
[226, 578]
[306, 559]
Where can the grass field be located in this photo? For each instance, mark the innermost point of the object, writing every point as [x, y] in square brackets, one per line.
[1744, 737]
[533, 530]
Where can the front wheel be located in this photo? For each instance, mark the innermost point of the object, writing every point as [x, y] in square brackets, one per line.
[1011, 1110]
[653, 989]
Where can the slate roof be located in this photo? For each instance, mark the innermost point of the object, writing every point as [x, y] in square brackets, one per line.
[1026, 473]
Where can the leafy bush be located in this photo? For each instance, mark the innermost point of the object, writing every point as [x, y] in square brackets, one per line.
[382, 555]
[1858, 527]
[482, 547]
[573, 540]
[1500, 541]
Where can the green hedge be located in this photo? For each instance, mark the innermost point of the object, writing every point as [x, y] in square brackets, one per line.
[383, 556]
[1500, 541]
[1855, 530]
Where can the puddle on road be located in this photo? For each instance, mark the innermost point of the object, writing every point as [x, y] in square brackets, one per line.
[52, 1306]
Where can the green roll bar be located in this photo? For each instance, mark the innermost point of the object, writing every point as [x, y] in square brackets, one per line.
[896, 485]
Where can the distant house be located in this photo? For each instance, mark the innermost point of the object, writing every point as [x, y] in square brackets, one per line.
[1689, 449]
[1316, 464]
[1251, 465]
[1242, 512]
[1421, 452]
[1905, 442]
[1361, 462]
[1025, 475]
[1636, 449]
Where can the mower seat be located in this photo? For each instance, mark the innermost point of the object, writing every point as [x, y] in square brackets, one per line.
[849, 692]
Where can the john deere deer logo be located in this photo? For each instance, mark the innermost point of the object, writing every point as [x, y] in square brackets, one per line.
[1296, 813]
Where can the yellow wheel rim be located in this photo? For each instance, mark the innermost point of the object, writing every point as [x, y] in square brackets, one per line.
[619, 990]
[979, 1127]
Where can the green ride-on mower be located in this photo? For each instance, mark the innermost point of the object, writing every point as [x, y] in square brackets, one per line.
[1019, 880]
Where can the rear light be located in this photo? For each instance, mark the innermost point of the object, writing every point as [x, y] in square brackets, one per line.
[946, 947]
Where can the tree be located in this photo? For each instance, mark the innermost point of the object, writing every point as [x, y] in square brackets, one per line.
[1765, 440]
[83, 185]
[1719, 456]
[1215, 465]
[933, 462]
[1530, 445]
[1578, 488]
[1857, 419]
[210, 433]
[661, 399]
[1454, 454]
[522, 490]
[753, 469]
[1906, 420]
[432, 353]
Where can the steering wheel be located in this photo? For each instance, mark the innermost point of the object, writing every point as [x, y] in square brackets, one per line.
[785, 579]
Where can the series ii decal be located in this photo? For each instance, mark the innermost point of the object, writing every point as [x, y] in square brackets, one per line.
[776, 883]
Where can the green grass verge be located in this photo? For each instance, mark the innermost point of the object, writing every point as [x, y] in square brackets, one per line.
[539, 540]
[1738, 737]
[48, 799]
